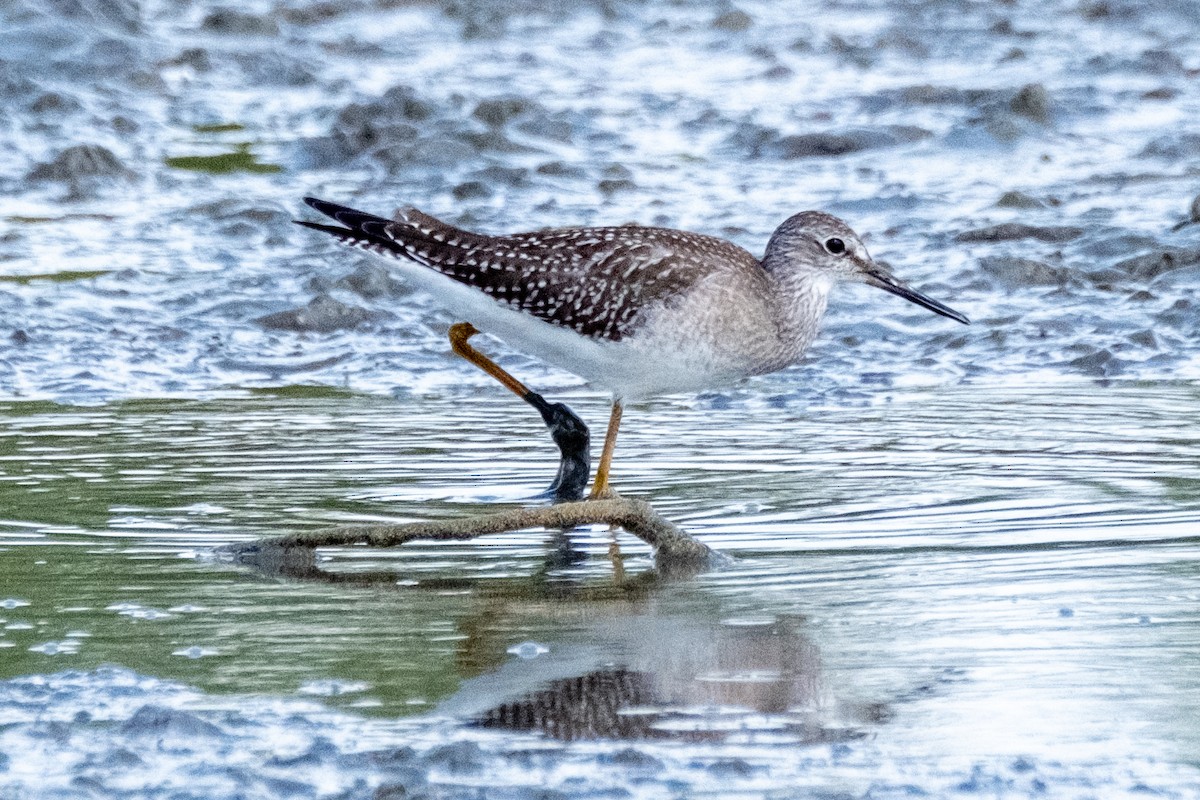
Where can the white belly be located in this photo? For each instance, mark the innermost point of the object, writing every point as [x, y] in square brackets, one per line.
[659, 361]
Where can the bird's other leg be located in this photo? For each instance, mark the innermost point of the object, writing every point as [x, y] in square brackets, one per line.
[460, 332]
[574, 446]
[600, 488]
[567, 430]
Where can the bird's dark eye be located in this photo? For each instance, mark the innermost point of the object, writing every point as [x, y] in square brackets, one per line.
[835, 246]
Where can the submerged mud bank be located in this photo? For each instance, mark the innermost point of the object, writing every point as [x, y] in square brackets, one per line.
[1034, 168]
[113, 733]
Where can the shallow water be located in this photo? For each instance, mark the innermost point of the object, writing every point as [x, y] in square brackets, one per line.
[964, 559]
[980, 584]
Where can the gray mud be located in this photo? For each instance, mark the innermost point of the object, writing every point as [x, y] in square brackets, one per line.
[114, 733]
[1032, 165]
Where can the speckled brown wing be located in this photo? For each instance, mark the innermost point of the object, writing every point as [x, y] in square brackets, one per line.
[595, 281]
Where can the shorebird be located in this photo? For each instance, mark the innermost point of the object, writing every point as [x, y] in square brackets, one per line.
[639, 311]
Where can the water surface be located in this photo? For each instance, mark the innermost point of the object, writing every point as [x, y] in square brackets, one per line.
[937, 584]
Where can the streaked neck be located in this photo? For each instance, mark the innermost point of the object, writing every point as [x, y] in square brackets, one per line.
[800, 300]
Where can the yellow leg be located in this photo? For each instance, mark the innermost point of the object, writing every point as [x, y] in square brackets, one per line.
[600, 488]
[460, 332]
[568, 431]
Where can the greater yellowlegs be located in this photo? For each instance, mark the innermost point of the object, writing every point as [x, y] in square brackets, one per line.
[636, 310]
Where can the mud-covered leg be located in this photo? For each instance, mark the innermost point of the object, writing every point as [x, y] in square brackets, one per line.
[567, 430]
[574, 446]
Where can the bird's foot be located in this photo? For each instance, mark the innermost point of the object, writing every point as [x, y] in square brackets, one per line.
[571, 436]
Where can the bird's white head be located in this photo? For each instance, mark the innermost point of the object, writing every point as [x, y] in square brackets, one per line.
[815, 246]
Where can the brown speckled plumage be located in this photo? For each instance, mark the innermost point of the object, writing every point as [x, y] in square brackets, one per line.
[594, 281]
[641, 311]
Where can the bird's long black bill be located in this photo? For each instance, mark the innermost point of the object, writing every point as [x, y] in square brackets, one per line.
[888, 283]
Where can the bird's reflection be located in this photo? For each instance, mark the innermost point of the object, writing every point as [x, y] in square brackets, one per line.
[647, 675]
[625, 658]
[584, 707]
